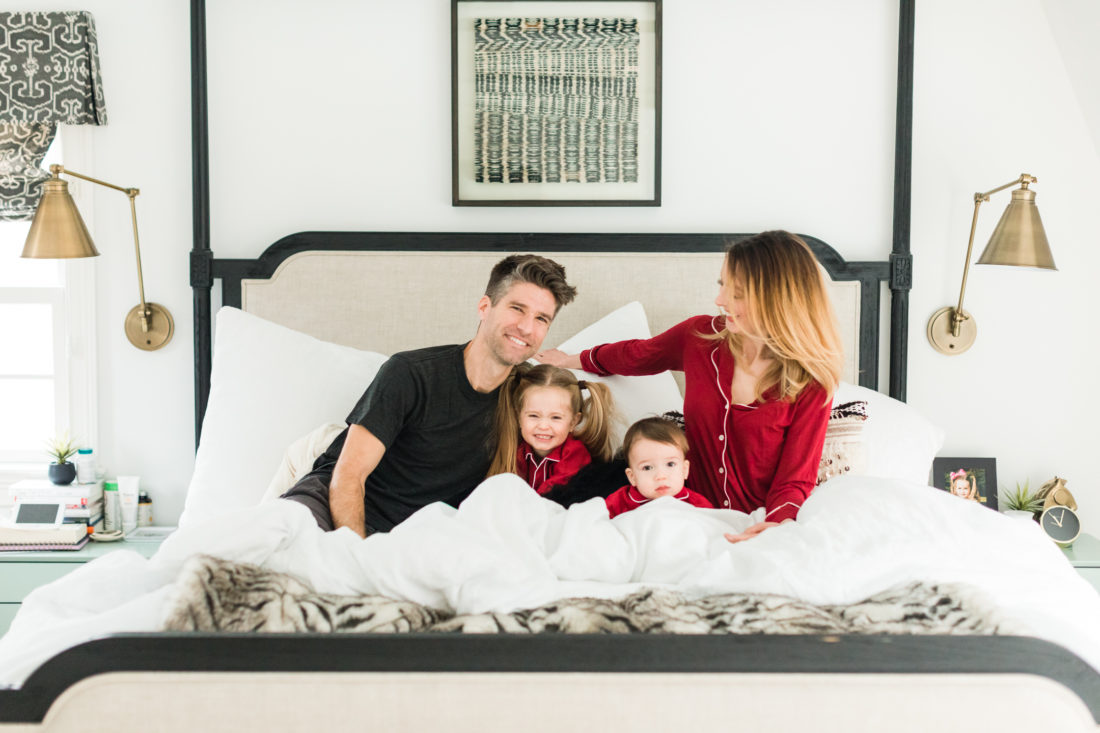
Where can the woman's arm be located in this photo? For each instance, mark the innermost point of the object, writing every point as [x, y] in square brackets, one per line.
[800, 455]
[634, 357]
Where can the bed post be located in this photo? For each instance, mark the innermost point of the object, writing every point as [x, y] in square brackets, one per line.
[202, 279]
[901, 261]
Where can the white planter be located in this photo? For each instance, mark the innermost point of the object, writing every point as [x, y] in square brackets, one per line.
[1019, 514]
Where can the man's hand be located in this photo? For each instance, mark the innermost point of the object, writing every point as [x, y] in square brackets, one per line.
[358, 458]
[557, 358]
[754, 530]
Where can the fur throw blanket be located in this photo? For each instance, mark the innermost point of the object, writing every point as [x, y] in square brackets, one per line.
[219, 595]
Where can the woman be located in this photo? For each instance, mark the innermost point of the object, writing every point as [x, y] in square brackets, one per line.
[759, 378]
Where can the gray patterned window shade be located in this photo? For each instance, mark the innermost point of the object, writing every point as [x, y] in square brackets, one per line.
[49, 75]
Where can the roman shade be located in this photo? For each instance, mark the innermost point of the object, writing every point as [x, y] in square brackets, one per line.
[49, 75]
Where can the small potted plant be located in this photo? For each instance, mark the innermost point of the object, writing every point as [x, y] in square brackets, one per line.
[61, 471]
[1021, 502]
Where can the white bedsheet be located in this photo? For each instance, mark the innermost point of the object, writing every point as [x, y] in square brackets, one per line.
[507, 548]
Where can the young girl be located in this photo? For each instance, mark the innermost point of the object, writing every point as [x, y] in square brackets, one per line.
[546, 430]
[655, 451]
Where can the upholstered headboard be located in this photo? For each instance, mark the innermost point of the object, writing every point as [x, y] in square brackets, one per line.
[389, 291]
[394, 301]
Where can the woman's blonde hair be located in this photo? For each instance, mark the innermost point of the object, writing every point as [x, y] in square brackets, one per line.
[594, 429]
[789, 309]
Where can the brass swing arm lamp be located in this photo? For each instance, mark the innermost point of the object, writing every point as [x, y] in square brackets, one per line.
[1018, 240]
[58, 232]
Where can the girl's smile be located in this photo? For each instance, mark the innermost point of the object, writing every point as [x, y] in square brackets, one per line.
[546, 418]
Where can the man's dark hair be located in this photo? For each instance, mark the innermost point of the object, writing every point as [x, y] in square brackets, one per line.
[533, 269]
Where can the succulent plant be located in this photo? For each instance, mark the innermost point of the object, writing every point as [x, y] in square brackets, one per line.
[61, 447]
[1021, 498]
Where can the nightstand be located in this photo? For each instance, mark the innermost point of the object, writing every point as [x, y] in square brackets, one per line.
[22, 572]
[1084, 554]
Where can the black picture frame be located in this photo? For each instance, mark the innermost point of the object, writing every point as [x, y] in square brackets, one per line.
[644, 189]
[979, 475]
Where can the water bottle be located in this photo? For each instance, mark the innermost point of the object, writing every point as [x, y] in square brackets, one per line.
[85, 466]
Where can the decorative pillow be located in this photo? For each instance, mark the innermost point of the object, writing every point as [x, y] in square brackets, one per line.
[269, 386]
[844, 451]
[899, 441]
[300, 457]
[635, 397]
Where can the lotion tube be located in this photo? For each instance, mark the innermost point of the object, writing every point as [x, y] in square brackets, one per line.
[128, 499]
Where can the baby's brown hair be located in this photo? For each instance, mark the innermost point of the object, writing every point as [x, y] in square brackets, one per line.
[657, 429]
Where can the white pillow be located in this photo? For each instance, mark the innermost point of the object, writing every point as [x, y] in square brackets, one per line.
[635, 397]
[900, 442]
[269, 386]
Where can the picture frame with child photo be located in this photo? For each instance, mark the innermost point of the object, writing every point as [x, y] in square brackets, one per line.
[974, 479]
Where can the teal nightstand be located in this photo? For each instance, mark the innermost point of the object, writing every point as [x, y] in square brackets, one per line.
[1084, 555]
[22, 572]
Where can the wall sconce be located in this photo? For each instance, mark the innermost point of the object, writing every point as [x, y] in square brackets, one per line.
[1018, 240]
[58, 232]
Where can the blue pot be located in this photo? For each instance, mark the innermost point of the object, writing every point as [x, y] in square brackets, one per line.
[61, 474]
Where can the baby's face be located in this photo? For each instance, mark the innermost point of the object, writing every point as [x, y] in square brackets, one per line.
[656, 469]
[960, 487]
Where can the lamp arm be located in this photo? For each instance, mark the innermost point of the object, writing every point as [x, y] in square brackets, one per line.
[132, 193]
[1024, 180]
[958, 317]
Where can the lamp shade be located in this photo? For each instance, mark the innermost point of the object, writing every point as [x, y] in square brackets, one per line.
[58, 231]
[1019, 238]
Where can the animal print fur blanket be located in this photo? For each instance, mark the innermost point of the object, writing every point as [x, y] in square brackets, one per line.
[219, 595]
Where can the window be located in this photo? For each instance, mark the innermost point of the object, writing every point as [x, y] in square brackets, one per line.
[47, 375]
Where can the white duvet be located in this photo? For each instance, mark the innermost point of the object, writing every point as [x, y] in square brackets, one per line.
[507, 548]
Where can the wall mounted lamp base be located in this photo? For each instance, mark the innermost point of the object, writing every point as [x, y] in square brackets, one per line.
[160, 327]
[940, 336]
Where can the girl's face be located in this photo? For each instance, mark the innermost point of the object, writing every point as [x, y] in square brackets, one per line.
[960, 487]
[733, 304]
[546, 418]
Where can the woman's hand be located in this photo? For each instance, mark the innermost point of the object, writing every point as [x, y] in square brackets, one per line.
[557, 358]
[754, 530]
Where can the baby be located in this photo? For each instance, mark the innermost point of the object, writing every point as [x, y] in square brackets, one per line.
[654, 450]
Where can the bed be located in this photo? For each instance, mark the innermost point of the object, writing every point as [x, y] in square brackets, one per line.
[65, 662]
[1015, 672]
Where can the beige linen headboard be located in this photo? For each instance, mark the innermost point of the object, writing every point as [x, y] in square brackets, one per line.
[393, 301]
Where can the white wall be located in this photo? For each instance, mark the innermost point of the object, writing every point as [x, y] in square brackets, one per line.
[993, 100]
[335, 115]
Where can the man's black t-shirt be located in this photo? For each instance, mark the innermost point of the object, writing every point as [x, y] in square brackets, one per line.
[436, 429]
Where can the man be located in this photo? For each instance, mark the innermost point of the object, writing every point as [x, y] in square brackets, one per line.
[421, 432]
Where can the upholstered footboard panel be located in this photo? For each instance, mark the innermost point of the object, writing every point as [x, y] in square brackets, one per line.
[336, 682]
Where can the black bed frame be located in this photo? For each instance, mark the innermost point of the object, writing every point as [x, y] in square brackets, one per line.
[550, 653]
[205, 268]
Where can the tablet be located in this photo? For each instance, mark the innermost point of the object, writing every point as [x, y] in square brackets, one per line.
[39, 515]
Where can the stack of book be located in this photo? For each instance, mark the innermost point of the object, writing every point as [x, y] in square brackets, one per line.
[83, 502]
[62, 537]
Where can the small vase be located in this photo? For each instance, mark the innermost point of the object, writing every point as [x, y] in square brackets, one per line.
[61, 474]
[1019, 514]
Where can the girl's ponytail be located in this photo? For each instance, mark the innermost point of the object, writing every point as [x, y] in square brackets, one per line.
[595, 429]
[505, 424]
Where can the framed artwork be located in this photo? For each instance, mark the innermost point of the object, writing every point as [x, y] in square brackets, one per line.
[556, 102]
[974, 479]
